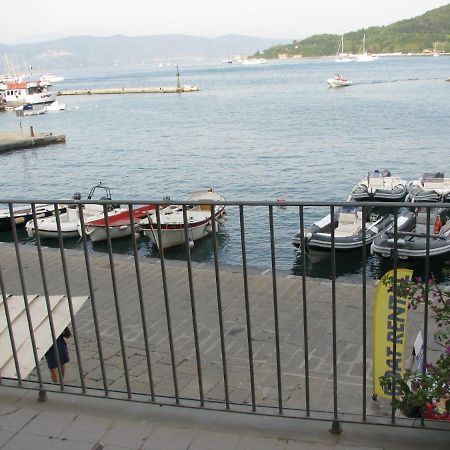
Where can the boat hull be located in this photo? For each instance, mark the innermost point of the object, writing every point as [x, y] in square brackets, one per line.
[118, 222]
[23, 214]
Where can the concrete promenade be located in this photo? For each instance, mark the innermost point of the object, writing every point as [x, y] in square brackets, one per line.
[67, 422]
[292, 365]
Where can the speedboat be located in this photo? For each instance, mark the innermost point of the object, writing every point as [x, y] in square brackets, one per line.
[118, 223]
[23, 213]
[412, 235]
[347, 227]
[339, 81]
[70, 220]
[380, 185]
[172, 222]
[432, 186]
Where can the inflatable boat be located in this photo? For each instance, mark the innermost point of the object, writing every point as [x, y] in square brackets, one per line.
[431, 187]
[347, 229]
[412, 235]
[380, 185]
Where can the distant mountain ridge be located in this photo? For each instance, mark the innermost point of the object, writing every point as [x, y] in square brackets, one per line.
[87, 51]
[414, 35]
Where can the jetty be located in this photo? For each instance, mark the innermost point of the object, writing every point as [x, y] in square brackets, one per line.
[131, 90]
[14, 141]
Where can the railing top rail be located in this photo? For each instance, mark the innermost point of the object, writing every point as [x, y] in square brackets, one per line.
[305, 203]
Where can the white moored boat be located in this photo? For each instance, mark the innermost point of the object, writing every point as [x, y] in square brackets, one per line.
[380, 185]
[69, 221]
[432, 186]
[338, 81]
[172, 222]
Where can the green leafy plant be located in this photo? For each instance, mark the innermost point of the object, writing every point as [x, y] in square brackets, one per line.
[418, 391]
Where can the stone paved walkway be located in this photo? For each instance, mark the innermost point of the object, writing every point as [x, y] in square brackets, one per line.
[290, 311]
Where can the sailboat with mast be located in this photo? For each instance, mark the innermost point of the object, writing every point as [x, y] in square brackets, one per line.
[341, 56]
[364, 55]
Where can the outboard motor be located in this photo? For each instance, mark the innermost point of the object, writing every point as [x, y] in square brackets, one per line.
[77, 196]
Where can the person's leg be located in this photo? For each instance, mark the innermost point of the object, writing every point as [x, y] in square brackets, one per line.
[54, 374]
[63, 373]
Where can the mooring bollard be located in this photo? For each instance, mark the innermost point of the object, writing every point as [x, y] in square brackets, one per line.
[31, 131]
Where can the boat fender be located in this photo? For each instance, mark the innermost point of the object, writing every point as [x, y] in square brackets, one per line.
[221, 220]
[191, 244]
[208, 228]
[19, 220]
[437, 224]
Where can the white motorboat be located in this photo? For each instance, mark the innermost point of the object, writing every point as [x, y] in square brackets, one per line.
[348, 229]
[69, 221]
[432, 186]
[118, 223]
[55, 107]
[380, 185]
[172, 222]
[339, 81]
[253, 61]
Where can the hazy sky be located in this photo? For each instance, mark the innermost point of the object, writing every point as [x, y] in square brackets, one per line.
[281, 19]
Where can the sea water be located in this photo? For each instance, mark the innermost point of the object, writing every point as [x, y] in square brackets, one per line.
[259, 132]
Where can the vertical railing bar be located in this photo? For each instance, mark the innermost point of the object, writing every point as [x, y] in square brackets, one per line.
[25, 295]
[167, 304]
[364, 313]
[336, 426]
[247, 308]
[305, 311]
[219, 306]
[46, 294]
[275, 310]
[92, 298]
[426, 296]
[10, 330]
[116, 301]
[69, 296]
[394, 295]
[193, 309]
[141, 302]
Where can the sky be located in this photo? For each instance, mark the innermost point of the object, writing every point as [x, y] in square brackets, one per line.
[280, 19]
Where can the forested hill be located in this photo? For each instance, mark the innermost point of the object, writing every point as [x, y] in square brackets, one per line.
[407, 36]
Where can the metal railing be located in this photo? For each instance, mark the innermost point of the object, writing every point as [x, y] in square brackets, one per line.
[156, 326]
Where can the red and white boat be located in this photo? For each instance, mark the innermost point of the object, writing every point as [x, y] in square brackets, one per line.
[118, 223]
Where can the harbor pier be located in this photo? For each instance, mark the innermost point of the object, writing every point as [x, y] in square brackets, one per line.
[14, 141]
[131, 90]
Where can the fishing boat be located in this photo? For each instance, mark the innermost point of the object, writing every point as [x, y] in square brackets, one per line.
[23, 213]
[431, 186]
[412, 235]
[69, 220]
[27, 93]
[118, 223]
[380, 185]
[339, 81]
[348, 229]
[341, 56]
[364, 56]
[172, 221]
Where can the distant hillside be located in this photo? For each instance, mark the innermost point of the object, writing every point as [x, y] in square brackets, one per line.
[412, 35]
[89, 51]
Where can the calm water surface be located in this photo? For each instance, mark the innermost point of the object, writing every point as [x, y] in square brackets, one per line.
[253, 133]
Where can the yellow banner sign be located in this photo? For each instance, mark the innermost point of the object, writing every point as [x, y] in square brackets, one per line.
[386, 330]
